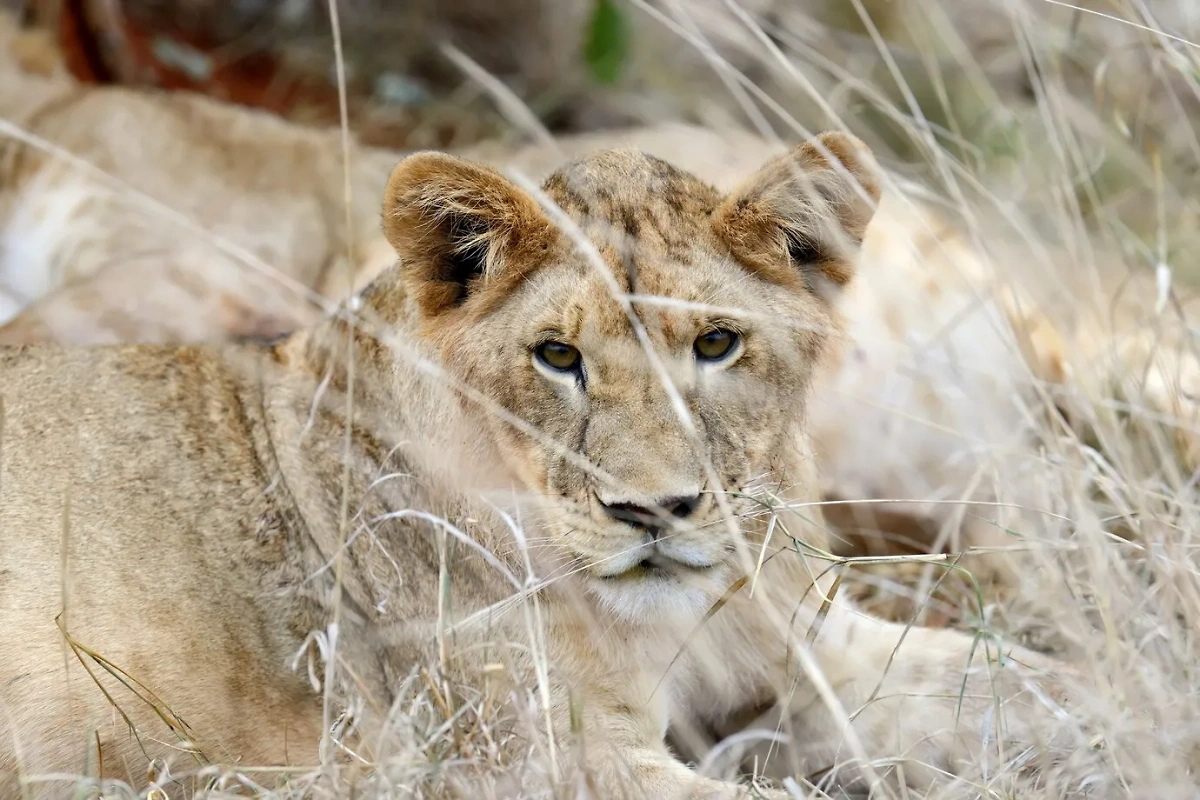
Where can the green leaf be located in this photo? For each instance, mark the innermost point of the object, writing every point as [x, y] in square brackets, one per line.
[607, 43]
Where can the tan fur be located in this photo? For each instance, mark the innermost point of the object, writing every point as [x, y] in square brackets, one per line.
[201, 543]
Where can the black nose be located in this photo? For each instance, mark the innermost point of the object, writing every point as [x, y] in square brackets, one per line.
[653, 518]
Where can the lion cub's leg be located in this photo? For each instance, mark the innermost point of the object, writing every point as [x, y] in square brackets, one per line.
[611, 721]
[937, 702]
[633, 770]
[861, 697]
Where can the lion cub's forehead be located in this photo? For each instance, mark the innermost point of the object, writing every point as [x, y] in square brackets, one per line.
[626, 196]
[651, 223]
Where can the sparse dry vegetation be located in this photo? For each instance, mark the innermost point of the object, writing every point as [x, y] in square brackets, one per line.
[1059, 141]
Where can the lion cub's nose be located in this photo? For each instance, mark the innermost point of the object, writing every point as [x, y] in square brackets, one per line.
[652, 516]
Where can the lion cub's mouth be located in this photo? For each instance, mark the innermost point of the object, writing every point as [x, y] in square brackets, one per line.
[657, 566]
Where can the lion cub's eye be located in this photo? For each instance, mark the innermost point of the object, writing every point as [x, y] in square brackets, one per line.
[558, 356]
[715, 344]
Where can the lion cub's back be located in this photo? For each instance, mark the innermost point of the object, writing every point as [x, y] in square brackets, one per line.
[121, 437]
[128, 495]
[114, 449]
[77, 412]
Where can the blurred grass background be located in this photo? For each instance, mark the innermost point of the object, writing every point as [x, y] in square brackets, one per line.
[1099, 97]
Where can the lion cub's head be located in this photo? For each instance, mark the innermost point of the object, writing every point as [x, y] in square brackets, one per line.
[656, 336]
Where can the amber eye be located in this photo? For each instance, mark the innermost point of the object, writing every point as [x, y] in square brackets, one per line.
[715, 344]
[558, 356]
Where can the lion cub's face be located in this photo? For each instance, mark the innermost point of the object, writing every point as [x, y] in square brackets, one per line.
[655, 337]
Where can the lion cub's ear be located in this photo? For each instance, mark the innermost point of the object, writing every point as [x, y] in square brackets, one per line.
[459, 228]
[804, 213]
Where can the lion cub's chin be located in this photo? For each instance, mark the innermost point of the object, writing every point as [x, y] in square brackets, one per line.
[648, 593]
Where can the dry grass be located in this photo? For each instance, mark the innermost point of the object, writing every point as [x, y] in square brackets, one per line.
[1042, 128]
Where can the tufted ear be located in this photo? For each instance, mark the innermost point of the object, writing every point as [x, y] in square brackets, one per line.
[460, 228]
[804, 214]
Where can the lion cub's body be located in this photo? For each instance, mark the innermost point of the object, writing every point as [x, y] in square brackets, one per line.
[223, 511]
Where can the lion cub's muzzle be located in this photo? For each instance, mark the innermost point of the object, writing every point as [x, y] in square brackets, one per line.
[654, 519]
[667, 529]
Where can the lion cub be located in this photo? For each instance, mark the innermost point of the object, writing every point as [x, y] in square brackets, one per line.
[588, 395]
